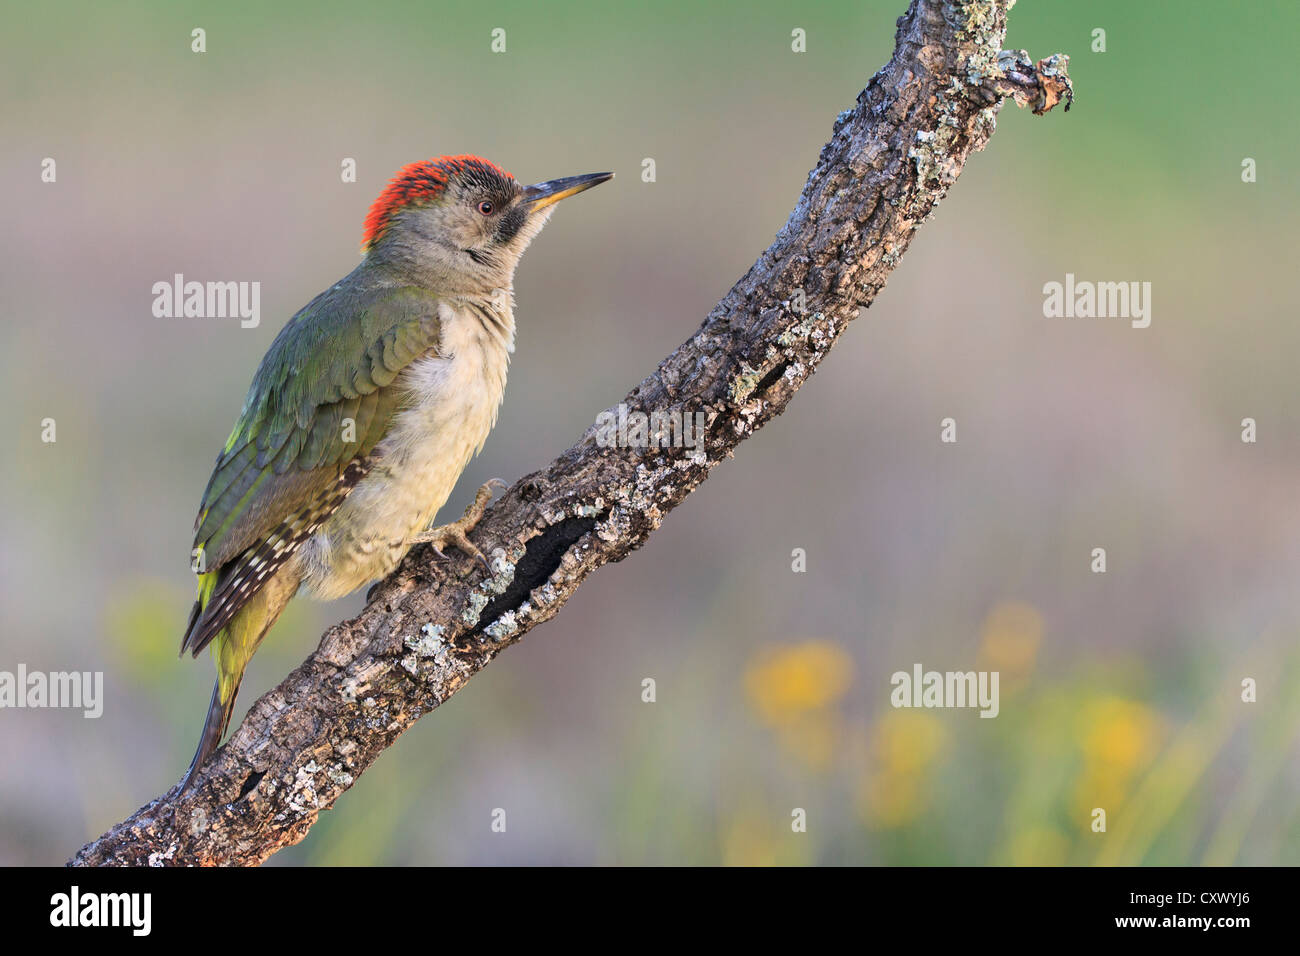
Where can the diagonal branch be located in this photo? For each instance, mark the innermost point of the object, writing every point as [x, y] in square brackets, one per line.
[429, 627]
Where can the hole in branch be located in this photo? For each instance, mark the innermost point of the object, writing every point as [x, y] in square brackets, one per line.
[542, 555]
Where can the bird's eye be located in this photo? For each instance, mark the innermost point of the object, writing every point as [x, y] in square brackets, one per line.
[485, 208]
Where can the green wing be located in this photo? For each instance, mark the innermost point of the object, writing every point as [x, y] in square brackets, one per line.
[288, 463]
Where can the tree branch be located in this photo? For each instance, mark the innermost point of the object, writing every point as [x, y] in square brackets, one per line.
[430, 626]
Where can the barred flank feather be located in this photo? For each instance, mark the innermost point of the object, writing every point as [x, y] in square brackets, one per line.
[238, 581]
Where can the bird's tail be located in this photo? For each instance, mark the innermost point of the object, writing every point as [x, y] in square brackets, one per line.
[214, 728]
[232, 649]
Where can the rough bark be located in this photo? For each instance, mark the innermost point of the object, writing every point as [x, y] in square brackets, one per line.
[431, 626]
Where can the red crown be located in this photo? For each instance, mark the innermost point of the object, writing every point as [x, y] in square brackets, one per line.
[418, 182]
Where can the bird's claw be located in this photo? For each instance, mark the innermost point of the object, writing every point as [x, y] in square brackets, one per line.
[456, 532]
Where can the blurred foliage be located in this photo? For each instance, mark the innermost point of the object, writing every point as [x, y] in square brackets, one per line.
[1076, 748]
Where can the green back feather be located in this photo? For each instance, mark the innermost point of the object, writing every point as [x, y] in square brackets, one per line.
[287, 464]
[337, 359]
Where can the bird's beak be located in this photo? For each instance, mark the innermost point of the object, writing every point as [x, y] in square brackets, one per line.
[540, 195]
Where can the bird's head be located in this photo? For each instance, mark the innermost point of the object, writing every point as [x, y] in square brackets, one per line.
[461, 221]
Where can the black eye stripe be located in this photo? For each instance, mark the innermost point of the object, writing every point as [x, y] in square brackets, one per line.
[510, 224]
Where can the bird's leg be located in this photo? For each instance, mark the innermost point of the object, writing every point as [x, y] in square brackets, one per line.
[456, 532]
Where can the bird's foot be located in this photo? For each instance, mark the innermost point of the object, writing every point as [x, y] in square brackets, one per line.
[457, 532]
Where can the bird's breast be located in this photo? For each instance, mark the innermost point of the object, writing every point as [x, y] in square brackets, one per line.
[452, 397]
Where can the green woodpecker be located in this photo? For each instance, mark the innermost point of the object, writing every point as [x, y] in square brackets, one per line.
[365, 410]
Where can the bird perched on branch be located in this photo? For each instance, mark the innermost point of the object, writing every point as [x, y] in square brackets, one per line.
[365, 410]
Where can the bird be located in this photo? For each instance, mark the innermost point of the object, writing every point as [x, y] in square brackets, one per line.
[364, 411]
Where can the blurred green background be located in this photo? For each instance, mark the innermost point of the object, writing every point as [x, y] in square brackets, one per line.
[1119, 690]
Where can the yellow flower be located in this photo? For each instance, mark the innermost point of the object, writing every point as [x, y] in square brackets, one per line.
[906, 741]
[786, 682]
[1118, 738]
[1119, 734]
[903, 745]
[1012, 634]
